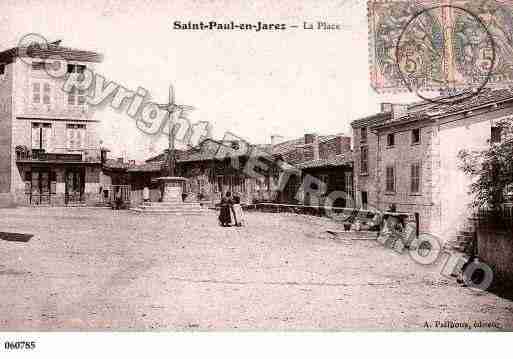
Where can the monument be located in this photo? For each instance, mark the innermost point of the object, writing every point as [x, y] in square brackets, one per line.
[172, 185]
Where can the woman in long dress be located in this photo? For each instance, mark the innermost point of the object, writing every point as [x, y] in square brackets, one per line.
[238, 214]
[226, 207]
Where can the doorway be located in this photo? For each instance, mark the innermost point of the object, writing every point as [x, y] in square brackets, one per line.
[40, 186]
[74, 185]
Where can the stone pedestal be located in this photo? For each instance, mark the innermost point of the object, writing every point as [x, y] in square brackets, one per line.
[172, 189]
[172, 203]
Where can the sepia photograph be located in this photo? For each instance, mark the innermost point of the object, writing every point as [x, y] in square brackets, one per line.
[255, 166]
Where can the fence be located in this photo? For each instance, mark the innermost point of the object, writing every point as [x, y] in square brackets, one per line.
[501, 220]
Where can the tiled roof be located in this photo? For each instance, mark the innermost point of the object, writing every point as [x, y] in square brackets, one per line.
[439, 110]
[147, 167]
[49, 50]
[287, 146]
[372, 120]
[115, 164]
[205, 153]
[336, 161]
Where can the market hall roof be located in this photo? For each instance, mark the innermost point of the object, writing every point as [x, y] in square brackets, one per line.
[336, 161]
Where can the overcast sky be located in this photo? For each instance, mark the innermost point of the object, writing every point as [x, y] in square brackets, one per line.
[253, 84]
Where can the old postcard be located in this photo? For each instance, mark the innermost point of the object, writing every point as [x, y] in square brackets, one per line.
[264, 166]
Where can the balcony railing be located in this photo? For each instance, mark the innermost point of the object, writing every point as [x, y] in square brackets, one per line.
[38, 155]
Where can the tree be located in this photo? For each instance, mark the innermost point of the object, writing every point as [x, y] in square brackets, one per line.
[491, 169]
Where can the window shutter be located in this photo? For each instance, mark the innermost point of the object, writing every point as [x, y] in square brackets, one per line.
[46, 93]
[35, 136]
[47, 137]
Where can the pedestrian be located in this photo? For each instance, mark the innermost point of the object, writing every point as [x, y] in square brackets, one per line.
[118, 200]
[146, 194]
[226, 208]
[238, 214]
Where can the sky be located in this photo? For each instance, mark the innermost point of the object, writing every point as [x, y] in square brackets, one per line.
[253, 84]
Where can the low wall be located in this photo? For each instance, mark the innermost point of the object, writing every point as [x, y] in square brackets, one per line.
[55, 199]
[495, 248]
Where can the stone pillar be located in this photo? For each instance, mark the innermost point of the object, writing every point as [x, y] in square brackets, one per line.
[173, 186]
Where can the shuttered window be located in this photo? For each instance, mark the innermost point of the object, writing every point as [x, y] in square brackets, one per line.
[364, 160]
[41, 135]
[415, 178]
[390, 179]
[41, 93]
[75, 136]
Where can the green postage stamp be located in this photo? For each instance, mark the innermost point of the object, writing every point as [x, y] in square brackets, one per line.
[433, 45]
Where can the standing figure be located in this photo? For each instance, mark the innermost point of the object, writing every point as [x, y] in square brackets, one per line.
[226, 208]
[238, 214]
[146, 194]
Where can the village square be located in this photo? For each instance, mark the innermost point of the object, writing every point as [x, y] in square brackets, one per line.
[317, 242]
[313, 171]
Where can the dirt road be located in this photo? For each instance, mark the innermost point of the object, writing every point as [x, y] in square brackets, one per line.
[88, 269]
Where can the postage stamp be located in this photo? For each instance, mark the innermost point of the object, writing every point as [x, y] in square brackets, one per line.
[433, 45]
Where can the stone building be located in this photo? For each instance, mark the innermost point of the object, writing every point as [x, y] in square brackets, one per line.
[409, 159]
[365, 156]
[49, 148]
[318, 167]
[257, 173]
[211, 168]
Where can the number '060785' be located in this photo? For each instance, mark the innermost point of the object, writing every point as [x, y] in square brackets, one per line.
[22, 345]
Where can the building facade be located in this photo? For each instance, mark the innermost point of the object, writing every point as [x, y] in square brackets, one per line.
[257, 173]
[49, 148]
[365, 155]
[412, 164]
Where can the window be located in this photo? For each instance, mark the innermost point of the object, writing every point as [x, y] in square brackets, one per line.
[41, 93]
[391, 139]
[75, 135]
[41, 135]
[38, 65]
[323, 185]
[76, 69]
[2, 69]
[219, 184]
[46, 93]
[363, 135]
[76, 97]
[496, 134]
[364, 160]
[390, 179]
[365, 200]
[36, 92]
[348, 179]
[415, 178]
[415, 136]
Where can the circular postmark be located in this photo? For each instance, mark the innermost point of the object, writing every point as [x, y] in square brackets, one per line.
[458, 58]
[30, 45]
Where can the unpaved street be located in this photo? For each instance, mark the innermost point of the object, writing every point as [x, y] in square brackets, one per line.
[96, 269]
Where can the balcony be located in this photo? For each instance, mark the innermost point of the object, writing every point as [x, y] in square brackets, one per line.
[87, 156]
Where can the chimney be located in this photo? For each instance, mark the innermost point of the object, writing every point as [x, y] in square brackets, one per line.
[313, 139]
[397, 110]
[310, 138]
[386, 107]
[275, 139]
[343, 144]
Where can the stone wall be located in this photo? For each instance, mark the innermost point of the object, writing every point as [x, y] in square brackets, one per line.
[6, 86]
[401, 156]
[495, 248]
[365, 181]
